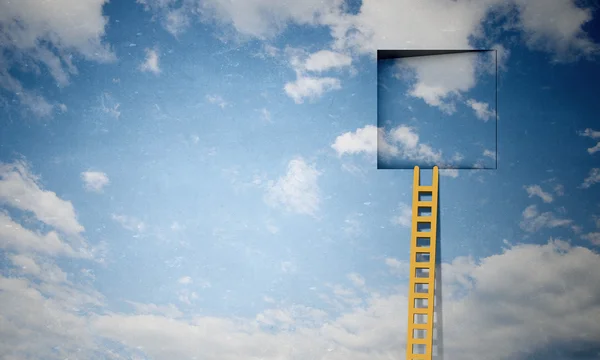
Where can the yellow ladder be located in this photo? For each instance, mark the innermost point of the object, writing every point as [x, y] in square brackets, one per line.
[421, 293]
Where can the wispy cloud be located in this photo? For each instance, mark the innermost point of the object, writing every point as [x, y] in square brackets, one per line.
[592, 134]
[216, 100]
[95, 180]
[534, 221]
[151, 63]
[298, 190]
[593, 178]
[536, 190]
[481, 109]
[130, 223]
[404, 218]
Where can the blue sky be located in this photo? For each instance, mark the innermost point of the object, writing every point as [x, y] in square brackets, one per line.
[198, 179]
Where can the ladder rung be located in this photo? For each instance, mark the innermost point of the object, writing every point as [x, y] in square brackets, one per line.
[419, 311]
[426, 234]
[424, 203]
[418, 327]
[419, 342]
[425, 188]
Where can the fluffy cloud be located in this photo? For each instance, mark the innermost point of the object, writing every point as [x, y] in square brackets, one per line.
[95, 180]
[359, 141]
[541, 285]
[36, 33]
[310, 87]
[325, 60]
[400, 142]
[297, 190]
[403, 141]
[565, 38]
[439, 87]
[390, 24]
[151, 63]
[309, 83]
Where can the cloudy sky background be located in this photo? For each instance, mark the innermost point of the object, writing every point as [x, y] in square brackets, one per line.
[198, 179]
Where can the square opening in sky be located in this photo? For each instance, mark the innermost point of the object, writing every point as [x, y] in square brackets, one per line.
[436, 108]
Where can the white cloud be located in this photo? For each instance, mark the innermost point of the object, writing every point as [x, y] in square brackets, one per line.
[174, 19]
[326, 60]
[565, 38]
[21, 189]
[534, 221]
[397, 267]
[502, 56]
[453, 173]
[439, 87]
[266, 18]
[310, 87]
[489, 153]
[362, 140]
[109, 105]
[593, 237]
[266, 115]
[13, 236]
[403, 141]
[357, 280]
[185, 280]
[168, 311]
[44, 37]
[559, 189]
[39, 268]
[309, 84]
[596, 220]
[404, 218]
[95, 180]
[297, 190]
[482, 109]
[187, 297]
[272, 228]
[536, 190]
[392, 24]
[25, 264]
[217, 100]
[539, 283]
[288, 267]
[593, 134]
[175, 226]
[593, 178]
[130, 223]
[151, 63]
[352, 224]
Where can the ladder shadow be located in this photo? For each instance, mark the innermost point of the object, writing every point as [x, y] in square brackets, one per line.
[438, 339]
